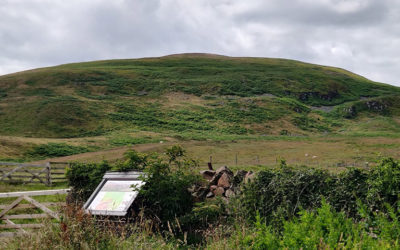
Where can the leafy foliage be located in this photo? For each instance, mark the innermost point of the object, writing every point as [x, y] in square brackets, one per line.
[324, 228]
[277, 194]
[133, 161]
[55, 150]
[84, 178]
[165, 195]
[384, 184]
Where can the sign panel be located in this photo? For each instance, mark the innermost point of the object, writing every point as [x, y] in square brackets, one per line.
[115, 194]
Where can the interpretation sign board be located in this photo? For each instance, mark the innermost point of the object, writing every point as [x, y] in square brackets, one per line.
[115, 194]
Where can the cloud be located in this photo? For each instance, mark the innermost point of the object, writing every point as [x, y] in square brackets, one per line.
[362, 36]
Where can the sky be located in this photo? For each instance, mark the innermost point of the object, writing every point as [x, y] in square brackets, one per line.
[362, 36]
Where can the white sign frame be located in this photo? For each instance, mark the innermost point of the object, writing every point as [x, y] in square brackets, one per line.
[114, 176]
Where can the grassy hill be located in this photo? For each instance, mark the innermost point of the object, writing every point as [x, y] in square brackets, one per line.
[190, 93]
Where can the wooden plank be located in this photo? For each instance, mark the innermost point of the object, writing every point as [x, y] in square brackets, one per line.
[12, 224]
[8, 175]
[35, 193]
[23, 170]
[58, 167]
[58, 163]
[59, 178]
[25, 216]
[24, 176]
[41, 206]
[37, 176]
[47, 204]
[48, 174]
[9, 234]
[21, 164]
[18, 181]
[20, 226]
[11, 206]
[57, 173]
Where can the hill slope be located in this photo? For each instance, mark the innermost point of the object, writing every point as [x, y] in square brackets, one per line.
[189, 93]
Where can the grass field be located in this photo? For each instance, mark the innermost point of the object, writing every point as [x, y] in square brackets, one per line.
[332, 153]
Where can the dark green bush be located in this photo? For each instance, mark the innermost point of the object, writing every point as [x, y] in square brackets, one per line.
[277, 194]
[133, 161]
[384, 184]
[165, 195]
[55, 150]
[348, 187]
[281, 193]
[84, 178]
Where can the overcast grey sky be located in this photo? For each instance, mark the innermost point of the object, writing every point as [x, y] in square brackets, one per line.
[362, 36]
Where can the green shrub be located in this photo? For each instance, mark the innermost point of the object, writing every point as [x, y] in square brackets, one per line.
[55, 150]
[322, 229]
[165, 195]
[348, 187]
[133, 161]
[83, 178]
[384, 184]
[277, 194]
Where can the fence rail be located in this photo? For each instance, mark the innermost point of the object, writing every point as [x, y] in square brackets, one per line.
[47, 173]
[7, 216]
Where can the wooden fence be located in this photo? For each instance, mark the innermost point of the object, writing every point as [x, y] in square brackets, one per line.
[16, 210]
[47, 173]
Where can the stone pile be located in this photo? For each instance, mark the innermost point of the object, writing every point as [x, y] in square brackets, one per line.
[221, 182]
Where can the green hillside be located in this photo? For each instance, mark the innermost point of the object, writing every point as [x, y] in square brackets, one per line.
[192, 93]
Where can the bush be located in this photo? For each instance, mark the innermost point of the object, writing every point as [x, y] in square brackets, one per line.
[55, 150]
[133, 161]
[348, 187]
[323, 229]
[277, 194]
[384, 184]
[165, 195]
[84, 178]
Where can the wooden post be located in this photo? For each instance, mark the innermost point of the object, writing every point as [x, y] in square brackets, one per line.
[48, 174]
[210, 167]
[236, 159]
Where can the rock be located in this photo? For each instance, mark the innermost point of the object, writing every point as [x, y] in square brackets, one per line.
[224, 181]
[249, 176]
[214, 180]
[224, 169]
[219, 173]
[208, 174]
[219, 191]
[213, 187]
[229, 193]
[210, 195]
